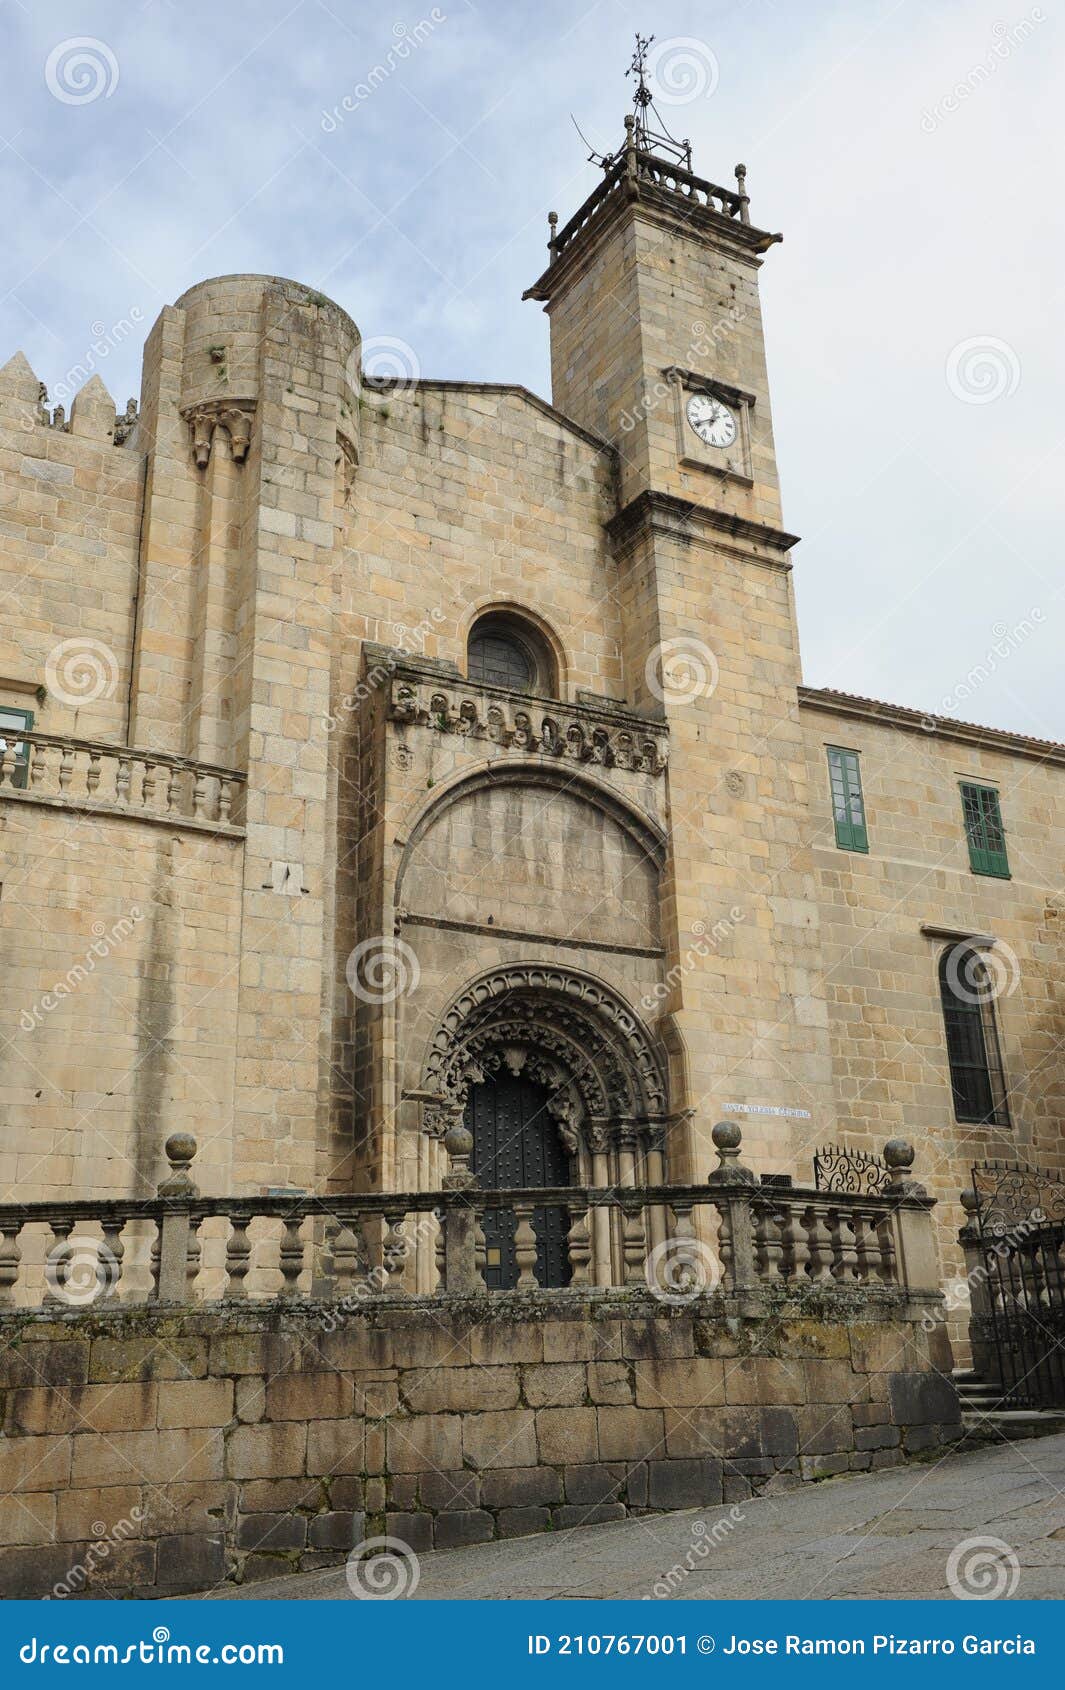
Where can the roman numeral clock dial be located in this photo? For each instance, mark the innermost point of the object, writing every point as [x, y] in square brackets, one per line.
[712, 421]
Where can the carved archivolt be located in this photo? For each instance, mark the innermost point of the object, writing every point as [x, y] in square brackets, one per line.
[564, 1030]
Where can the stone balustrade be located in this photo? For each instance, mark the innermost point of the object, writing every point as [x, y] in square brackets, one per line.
[90, 775]
[633, 163]
[583, 733]
[733, 1237]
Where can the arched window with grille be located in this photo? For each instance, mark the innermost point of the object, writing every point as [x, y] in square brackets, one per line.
[506, 651]
[977, 1080]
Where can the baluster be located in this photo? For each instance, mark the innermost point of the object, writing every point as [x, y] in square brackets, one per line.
[579, 1245]
[394, 1252]
[778, 1262]
[682, 1266]
[291, 1256]
[66, 766]
[349, 1257]
[192, 1258]
[440, 1255]
[819, 1266]
[57, 1262]
[148, 785]
[155, 1256]
[843, 1245]
[39, 755]
[111, 1253]
[10, 1258]
[525, 1247]
[199, 788]
[225, 799]
[885, 1235]
[238, 1256]
[633, 1242]
[3, 762]
[724, 1242]
[122, 779]
[92, 774]
[480, 1249]
[173, 788]
[867, 1248]
[779, 1244]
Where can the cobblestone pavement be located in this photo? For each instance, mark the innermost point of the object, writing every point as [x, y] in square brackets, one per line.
[887, 1534]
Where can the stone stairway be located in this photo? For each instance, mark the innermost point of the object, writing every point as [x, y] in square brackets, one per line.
[986, 1418]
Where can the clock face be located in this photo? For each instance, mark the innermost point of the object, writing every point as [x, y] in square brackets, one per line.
[712, 421]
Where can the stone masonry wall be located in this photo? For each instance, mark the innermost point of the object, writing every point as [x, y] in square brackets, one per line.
[166, 1452]
[880, 971]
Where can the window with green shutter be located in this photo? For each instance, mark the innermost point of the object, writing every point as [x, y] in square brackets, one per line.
[16, 751]
[848, 805]
[984, 830]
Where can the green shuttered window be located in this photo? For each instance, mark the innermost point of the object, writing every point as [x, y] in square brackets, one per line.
[984, 830]
[848, 805]
[17, 751]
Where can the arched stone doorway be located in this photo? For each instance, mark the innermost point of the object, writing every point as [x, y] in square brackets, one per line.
[556, 1071]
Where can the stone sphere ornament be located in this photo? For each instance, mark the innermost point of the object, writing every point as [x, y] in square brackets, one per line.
[898, 1154]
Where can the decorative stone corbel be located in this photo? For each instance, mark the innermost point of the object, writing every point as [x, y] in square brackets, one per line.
[234, 415]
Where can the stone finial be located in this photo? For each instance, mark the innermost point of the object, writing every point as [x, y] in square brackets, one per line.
[744, 196]
[727, 1139]
[92, 414]
[971, 1204]
[180, 1149]
[898, 1159]
[458, 1142]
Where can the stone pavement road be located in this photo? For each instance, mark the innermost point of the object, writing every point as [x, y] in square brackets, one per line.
[886, 1534]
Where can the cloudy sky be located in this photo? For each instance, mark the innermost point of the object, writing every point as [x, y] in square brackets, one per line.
[910, 153]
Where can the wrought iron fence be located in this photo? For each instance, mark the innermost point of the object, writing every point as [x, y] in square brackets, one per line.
[1015, 1252]
[836, 1168]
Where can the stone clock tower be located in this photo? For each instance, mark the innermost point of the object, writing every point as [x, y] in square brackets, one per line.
[657, 345]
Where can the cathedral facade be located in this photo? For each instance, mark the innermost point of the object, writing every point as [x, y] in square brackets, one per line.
[382, 756]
